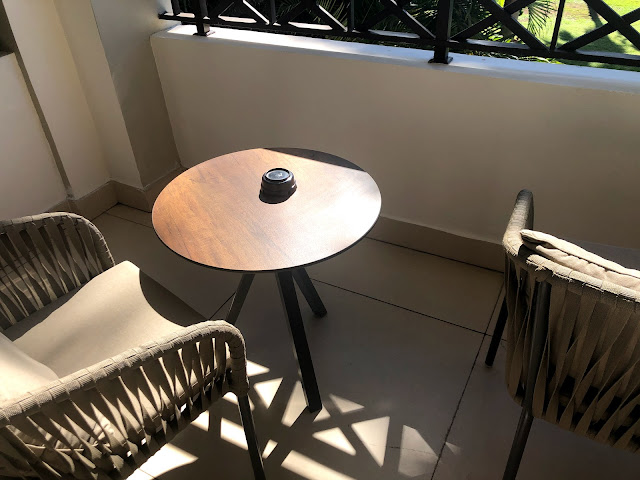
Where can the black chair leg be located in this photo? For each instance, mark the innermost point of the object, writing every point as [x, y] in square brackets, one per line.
[517, 448]
[252, 441]
[309, 291]
[497, 334]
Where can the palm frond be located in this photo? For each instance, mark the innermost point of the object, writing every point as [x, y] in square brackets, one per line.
[539, 13]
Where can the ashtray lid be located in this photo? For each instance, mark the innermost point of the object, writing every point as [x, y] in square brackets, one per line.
[277, 185]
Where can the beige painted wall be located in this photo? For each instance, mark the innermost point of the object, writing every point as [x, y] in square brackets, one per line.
[449, 146]
[29, 180]
[81, 32]
[125, 27]
[48, 60]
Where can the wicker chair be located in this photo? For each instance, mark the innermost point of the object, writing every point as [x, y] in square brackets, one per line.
[99, 364]
[573, 338]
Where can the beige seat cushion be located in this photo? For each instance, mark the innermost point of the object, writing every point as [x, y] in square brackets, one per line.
[627, 257]
[119, 309]
[19, 373]
[576, 258]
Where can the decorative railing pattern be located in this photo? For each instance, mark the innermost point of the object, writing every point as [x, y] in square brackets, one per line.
[432, 29]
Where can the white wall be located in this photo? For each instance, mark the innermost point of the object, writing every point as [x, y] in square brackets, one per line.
[125, 27]
[79, 24]
[449, 146]
[53, 75]
[29, 180]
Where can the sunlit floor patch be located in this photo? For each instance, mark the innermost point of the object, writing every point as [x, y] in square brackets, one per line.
[337, 439]
[344, 405]
[202, 422]
[271, 444]
[254, 369]
[310, 469]
[323, 415]
[232, 398]
[296, 405]
[267, 390]
[416, 456]
[166, 459]
[373, 435]
[233, 433]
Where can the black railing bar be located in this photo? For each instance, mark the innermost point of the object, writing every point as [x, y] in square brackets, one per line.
[599, 32]
[175, 6]
[225, 19]
[351, 20]
[309, 29]
[323, 14]
[200, 12]
[520, 50]
[272, 11]
[611, 16]
[301, 27]
[516, 27]
[443, 31]
[514, 49]
[517, 5]
[556, 28]
[490, 20]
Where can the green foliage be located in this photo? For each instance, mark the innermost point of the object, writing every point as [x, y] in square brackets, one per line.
[539, 14]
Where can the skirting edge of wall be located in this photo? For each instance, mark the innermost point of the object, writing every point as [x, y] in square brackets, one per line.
[417, 237]
[436, 242]
[103, 198]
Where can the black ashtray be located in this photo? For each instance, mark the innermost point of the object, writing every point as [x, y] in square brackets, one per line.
[278, 184]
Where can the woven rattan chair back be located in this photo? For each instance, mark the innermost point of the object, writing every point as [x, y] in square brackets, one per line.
[573, 346]
[44, 257]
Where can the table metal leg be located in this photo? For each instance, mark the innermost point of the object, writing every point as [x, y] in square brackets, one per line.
[301, 347]
[239, 297]
[309, 291]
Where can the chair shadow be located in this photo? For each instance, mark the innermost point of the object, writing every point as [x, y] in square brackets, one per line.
[294, 449]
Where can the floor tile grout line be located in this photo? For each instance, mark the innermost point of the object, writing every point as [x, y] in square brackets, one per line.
[369, 238]
[126, 219]
[434, 254]
[496, 310]
[455, 414]
[399, 306]
[364, 295]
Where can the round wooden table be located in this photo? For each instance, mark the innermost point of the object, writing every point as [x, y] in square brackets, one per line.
[213, 215]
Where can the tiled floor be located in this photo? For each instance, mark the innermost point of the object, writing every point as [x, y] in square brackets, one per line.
[399, 365]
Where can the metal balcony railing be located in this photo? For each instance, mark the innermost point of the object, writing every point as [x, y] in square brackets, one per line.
[406, 23]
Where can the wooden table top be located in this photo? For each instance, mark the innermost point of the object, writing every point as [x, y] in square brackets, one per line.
[212, 214]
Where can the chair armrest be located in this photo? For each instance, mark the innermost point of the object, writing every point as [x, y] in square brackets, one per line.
[232, 370]
[43, 257]
[118, 411]
[521, 218]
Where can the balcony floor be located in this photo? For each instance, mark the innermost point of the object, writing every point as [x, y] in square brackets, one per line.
[399, 361]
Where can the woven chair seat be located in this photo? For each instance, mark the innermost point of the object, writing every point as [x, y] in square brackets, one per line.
[105, 365]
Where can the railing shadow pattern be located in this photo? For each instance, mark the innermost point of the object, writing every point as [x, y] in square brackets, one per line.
[399, 22]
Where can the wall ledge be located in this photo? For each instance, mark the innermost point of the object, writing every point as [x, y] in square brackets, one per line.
[537, 72]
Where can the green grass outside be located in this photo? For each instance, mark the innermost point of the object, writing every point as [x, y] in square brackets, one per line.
[578, 20]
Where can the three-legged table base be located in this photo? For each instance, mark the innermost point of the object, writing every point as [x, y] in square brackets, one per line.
[296, 327]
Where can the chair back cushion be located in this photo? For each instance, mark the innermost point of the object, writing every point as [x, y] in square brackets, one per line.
[588, 381]
[572, 256]
[19, 373]
[120, 309]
